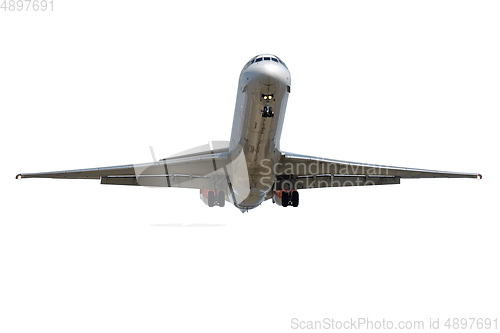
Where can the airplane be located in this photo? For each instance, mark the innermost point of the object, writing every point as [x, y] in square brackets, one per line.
[251, 168]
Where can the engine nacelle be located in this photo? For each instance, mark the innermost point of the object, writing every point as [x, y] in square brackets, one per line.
[286, 198]
[212, 198]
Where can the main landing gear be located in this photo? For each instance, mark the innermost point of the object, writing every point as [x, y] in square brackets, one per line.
[290, 198]
[218, 199]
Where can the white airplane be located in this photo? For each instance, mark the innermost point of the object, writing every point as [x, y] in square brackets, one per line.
[251, 167]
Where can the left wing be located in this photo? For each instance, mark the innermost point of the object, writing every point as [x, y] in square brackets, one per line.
[302, 171]
[200, 170]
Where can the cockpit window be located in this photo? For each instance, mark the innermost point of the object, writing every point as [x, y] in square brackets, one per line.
[249, 63]
[281, 62]
[259, 59]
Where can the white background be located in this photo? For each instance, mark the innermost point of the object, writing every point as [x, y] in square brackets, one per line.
[94, 83]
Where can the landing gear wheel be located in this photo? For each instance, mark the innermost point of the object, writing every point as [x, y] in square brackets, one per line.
[267, 112]
[284, 198]
[211, 198]
[295, 198]
[221, 198]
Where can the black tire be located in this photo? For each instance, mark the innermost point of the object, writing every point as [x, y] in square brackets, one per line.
[211, 198]
[295, 198]
[284, 198]
[221, 198]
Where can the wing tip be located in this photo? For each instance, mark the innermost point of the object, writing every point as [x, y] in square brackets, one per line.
[479, 176]
[19, 176]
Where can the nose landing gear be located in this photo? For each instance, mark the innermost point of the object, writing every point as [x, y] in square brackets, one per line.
[268, 110]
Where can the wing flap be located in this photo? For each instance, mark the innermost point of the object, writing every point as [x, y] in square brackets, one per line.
[116, 180]
[320, 181]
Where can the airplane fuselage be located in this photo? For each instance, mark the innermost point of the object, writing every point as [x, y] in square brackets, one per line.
[263, 86]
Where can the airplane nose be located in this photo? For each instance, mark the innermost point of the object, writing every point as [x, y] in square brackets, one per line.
[268, 80]
[270, 75]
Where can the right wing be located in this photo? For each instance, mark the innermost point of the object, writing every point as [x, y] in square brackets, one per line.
[302, 171]
[201, 170]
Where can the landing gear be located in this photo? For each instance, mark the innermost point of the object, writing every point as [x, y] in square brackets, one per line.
[221, 199]
[295, 198]
[285, 198]
[268, 111]
[211, 198]
[290, 198]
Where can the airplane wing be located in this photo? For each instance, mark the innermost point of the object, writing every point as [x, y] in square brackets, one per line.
[301, 171]
[201, 170]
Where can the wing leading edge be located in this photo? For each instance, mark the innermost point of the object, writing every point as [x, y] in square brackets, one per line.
[302, 171]
[202, 170]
